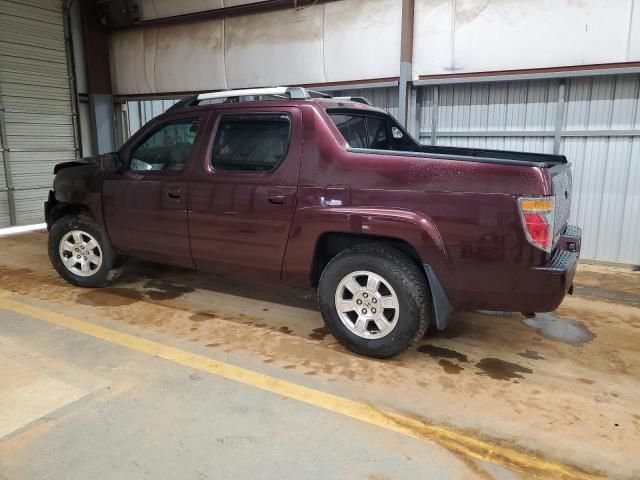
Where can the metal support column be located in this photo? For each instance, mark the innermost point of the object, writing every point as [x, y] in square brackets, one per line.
[434, 115]
[99, 88]
[406, 59]
[4, 146]
[71, 69]
[560, 107]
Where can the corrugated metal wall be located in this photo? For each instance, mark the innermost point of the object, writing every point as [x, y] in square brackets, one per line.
[140, 112]
[479, 115]
[386, 97]
[594, 121]
[37, 123]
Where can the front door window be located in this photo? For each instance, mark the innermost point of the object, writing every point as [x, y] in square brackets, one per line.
[167, 148]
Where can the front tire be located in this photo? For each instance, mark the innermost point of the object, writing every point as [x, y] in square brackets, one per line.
[80, 252]
[374, 300]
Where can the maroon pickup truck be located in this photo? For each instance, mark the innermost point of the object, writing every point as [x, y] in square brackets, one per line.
[291, 185]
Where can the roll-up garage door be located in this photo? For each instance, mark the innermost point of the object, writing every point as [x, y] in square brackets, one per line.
[36, 112]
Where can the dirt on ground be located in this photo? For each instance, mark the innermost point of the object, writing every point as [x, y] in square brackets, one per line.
[563, 385]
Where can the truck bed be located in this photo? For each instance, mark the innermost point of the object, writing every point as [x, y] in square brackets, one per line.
[506, 157]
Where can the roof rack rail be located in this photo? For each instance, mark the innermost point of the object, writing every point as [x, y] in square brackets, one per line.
[355, 99]
[295, 93]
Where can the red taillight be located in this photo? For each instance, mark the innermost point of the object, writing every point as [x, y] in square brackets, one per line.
[537, 228]
[537, 217]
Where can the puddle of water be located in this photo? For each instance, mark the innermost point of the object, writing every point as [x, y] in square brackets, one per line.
[162, 290]
[110, 297]
[500, 369]
[202, 316]
[587, 381]
[122, 296]
[439, 352]
[492, 313]
[531, 354]
[559, 329]
[319, 333]
[449, 366]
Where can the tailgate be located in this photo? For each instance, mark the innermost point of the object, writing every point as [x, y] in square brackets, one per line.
[562, 182]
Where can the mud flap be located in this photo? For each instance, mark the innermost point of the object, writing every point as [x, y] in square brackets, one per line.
[441, 306]
[49, 205]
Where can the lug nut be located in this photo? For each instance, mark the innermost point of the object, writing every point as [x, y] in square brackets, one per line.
[364, 310]
[78, 257]
[365, 295]
[373, 310]
[374, 300]
[359, 302]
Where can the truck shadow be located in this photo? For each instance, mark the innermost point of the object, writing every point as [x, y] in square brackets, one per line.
[162, 282]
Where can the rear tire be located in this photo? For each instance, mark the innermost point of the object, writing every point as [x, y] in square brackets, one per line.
[387, 309]
[80, 252]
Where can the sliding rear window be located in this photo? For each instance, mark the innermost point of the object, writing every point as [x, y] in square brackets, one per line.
[363, 131]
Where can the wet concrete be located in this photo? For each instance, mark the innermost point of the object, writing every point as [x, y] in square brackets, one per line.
[202, 316]
[450, 367]
[569, 395]
[612, 295]
[163, 290]
[110, 297]
[319, 333]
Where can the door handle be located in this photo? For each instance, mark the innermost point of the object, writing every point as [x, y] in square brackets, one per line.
[174, 193]
[277, 198]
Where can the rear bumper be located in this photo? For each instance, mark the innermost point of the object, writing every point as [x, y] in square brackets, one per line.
[545, 287]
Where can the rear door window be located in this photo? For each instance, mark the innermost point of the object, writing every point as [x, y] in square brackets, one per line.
[251, 142]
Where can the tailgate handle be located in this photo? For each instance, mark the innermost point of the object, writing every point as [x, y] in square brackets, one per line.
[277, 198]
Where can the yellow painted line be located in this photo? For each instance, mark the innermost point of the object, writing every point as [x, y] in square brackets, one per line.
[454, 441]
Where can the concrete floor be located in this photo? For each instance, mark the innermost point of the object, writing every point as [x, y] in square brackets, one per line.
[138, 381]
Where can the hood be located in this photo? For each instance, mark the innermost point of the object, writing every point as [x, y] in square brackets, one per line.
[94, 160]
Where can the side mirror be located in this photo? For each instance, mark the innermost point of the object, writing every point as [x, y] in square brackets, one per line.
[110, 162]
